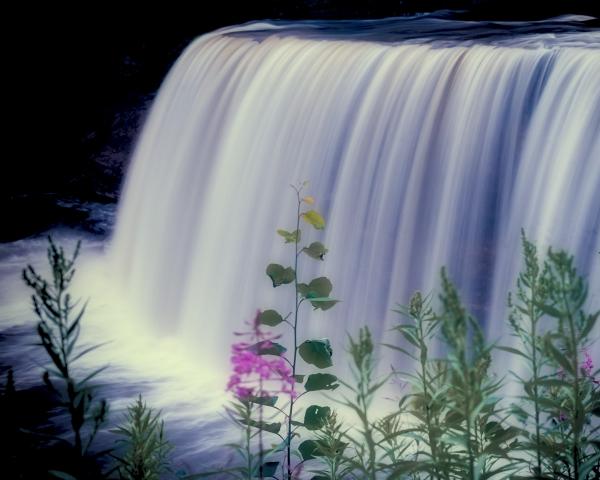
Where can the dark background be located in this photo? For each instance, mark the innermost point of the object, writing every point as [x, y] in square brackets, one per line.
[80, 82]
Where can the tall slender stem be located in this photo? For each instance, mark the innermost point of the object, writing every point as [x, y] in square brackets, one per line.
[535, 367]
[295, 329]
[432, 440]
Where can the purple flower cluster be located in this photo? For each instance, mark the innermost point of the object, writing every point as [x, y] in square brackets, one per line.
[256, 375]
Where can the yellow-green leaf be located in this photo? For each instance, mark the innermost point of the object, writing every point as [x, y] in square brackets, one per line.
[314, 218]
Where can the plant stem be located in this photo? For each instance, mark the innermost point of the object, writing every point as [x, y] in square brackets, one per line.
[575, 424]
[432, 440]
[248, 436]
[535, 368]
[295, 328]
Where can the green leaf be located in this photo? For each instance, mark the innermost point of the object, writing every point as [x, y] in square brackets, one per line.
[267, 348]
[558, 356]
[318, 288]
[309, 449]
[269, 469]
[316, 250]
[299, 378]
[323, 303]
[280, 275]
[290, 237]
[316, 352]
[267, 427]
[321, 381]
[549, 310]
[317, 292]
[314, 218]
[270, 318]
[303, 289]
[514, 351]
[267, 401]
[315, 417]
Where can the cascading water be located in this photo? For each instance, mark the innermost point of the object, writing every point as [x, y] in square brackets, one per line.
[427, 142]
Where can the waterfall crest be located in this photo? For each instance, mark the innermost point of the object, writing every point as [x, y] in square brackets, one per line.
[421, 149]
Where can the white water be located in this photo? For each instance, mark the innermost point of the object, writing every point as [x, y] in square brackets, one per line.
[420, 153]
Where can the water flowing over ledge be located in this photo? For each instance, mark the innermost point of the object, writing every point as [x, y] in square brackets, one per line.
[423, 149]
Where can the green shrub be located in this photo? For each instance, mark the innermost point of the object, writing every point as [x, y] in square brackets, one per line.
[145, 448]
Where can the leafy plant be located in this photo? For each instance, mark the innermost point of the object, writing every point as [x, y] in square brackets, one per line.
[370, 456]
[315, 352]
[329, 446]
[525, 317]
[572, 392]
[253, 376]
[474, 425]
[58, 329]
[427, 401]
[145, 447]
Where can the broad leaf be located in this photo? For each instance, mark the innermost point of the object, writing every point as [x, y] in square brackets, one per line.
[321, 381]
[280, 275]
[316, 250]
[309, 449]
[318, 288]
[267, 347]
[314, 218]
[316, 352]
[269, 469]
[270, 318]
[267, 401]
[315, 417]
[267, 427]
[290, 237]
[323, 303]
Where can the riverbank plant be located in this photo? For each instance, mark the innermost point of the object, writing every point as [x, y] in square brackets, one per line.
[143, 444]
[58, 328]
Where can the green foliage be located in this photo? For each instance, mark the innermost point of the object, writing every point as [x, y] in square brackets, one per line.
[372, 443]
[58, 328]
[313, 352]
[314, 218]
[427, 402]
[145, 447]
[321, 381]
[315, 417]
[559, 397]
[316, 250]
[481, 446]
[572, 396]
[316, 352]
[329, 448]
[524, 319]
[271, 416]
[242, 413]
[270, 318]
[280, 275]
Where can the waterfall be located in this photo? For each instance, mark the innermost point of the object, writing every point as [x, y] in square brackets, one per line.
[426, 142]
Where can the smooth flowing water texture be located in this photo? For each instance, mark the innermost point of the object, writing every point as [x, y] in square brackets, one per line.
[427, 142]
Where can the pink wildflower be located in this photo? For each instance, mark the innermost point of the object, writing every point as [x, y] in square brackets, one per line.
[258, 375]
